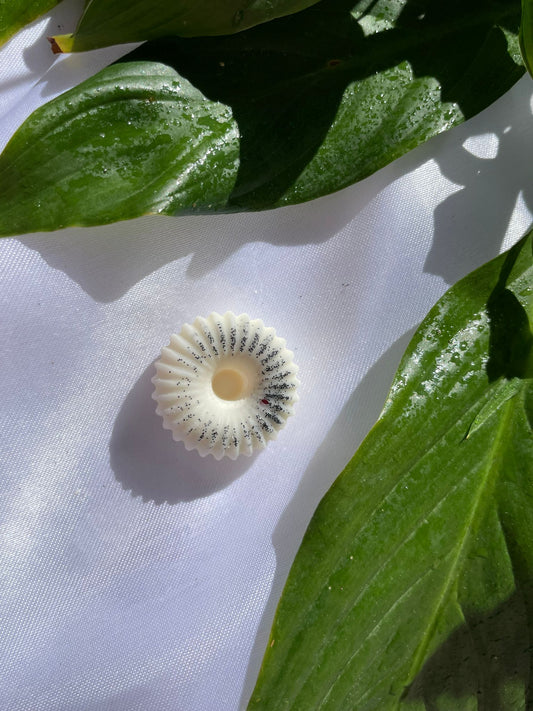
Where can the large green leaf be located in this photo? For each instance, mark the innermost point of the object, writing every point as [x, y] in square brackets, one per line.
[14, 14]
[107, 22]
[413, 587]
[279, 114]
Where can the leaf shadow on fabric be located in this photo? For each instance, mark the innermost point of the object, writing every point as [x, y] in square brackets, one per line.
[38, 56]
[148, 463]
[70, 70]
[107, 261]
[483, 660]
[351, 426]
[471, 223]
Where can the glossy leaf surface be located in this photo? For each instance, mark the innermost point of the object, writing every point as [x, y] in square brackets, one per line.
[134, 139]
[413, 587]
[15, 14]
[279, 114]
[108, 22]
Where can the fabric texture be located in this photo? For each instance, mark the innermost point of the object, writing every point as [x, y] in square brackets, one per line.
[136, 575]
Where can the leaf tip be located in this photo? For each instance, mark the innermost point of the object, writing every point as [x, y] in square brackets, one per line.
[61, 43]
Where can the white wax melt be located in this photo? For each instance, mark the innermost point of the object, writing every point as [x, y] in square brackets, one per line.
[225, 385]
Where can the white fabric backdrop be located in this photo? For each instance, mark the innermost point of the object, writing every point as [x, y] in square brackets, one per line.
[135, 576]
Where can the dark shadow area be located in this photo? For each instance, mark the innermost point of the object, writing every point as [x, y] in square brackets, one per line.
[510, 338]
[489, 652]
[471, 223]
[351, 426]
[150, 464]
[284, 80]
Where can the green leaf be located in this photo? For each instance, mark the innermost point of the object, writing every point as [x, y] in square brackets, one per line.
[132, 140]
[279, 114]
[413, 587]
[108, 22]
[526, 34]
[15, 14]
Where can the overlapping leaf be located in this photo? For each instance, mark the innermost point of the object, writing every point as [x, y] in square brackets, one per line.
[107, 22]
[14, 14]
[285, 112]
[413, 588]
